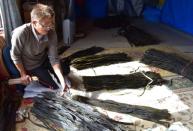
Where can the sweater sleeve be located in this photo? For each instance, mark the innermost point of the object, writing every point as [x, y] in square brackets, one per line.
[17, 42]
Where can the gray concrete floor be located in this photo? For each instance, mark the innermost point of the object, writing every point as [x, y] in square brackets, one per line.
[168, 35]
[109, 38]
[102, 38]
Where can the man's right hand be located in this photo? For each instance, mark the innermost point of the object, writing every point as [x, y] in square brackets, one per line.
[26, 79]
[59, 92]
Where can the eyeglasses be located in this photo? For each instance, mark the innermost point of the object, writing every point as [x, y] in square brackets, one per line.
[46, 27]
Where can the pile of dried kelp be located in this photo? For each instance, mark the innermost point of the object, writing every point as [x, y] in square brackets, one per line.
[143, 112]
[130, 81]
[65, 62]
[138, 37]
[9, 103]
[86, 52]
[61, 49]
[169, 61]
[99, 60]
[58, 113]
[86, 59]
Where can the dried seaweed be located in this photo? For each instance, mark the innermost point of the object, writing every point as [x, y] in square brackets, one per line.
[131, 81]
[143, 112]
[62, 49]
[65, 62]
[59, 113]
[99, 60]
[138, 37]
[86, 52]
[169, 61]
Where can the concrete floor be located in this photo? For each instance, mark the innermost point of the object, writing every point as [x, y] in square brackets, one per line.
[110, 39]
[168, 35]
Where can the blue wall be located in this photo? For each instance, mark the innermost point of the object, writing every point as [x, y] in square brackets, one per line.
[178, 14]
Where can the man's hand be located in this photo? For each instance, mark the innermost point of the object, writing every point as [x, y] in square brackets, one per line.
[66, 88]
[63, 91]
[26, 79]
[59, 92]
[65, 83]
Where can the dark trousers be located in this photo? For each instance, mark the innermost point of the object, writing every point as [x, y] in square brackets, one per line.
[42, 72]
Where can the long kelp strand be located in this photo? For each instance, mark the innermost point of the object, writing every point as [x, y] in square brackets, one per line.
[169, 61]
[99, 60]
[59, 113]
[86, 52]
[143, 112]
[65, 62]
[138, 37]
[130, 81]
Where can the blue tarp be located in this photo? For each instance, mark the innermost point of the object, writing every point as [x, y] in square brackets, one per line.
[178, 14]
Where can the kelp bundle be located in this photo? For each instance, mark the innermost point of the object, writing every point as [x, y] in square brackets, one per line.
[61, 49]
[169, 61]
[86, 59]
[137, 37]
[99, 60]
[143, 112]
[130, 81]
[58, 113]
[65, 62]
[86, 52]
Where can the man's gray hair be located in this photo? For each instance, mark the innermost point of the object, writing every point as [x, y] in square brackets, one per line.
[41, 11]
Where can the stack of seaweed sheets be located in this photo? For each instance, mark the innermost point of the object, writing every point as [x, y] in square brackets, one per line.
[61, 113]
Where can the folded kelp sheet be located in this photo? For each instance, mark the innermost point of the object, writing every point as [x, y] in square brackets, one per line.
[169, 61]
[130, 81]
[99, 60]
[59, 114]
[147, 113]
[138, 37]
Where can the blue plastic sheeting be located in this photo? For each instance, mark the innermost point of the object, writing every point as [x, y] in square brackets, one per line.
[178, 14]
[152, 14]
[96, 8]
[127, 7]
